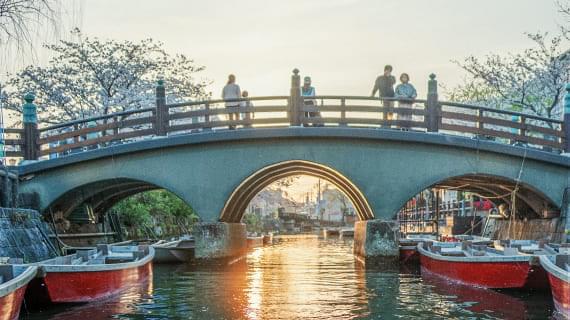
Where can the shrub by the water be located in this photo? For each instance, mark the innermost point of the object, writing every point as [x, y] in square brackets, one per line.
[156, 213]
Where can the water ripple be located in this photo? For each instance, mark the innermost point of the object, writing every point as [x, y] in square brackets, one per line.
[303, 278]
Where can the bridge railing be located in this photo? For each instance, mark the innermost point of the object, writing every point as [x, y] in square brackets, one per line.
[96, 132]
[213, 114]
[167, 119]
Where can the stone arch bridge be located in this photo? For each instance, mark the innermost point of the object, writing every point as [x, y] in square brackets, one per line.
[353, 142]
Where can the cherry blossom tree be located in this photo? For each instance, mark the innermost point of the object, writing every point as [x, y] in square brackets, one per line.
[90, 77]
[531, 81]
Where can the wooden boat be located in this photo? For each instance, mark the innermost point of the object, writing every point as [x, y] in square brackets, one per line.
[558, 270]
[484, 266]
[254, 241]
[94, 274]
[267, 239]
[174, 251]
[409, 247]
[14, 280]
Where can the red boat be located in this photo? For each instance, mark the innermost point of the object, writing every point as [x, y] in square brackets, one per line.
[409, 247]
[484, 266]
[14, 280]
[94, 274]
[558, 269]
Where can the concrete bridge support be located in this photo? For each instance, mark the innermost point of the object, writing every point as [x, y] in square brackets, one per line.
[219, 241]
[376, 241]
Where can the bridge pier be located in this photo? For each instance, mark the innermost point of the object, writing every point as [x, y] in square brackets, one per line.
[219, 241]
[376, 242]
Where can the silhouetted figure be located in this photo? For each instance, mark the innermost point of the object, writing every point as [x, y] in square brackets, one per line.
[384, 84]
[232, 91]
[309, 91]
[405, 93]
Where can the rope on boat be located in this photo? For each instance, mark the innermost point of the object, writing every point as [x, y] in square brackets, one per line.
[514, 194]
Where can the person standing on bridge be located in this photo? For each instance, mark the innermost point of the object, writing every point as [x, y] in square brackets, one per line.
[232, 91]
[384, 84]
[405, 93]
[309, 91]
[246, 104]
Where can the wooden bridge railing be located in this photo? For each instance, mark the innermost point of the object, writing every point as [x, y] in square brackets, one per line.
[429, 115]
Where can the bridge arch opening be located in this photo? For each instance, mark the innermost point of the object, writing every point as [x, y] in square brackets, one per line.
[243, 194]
[475, 198]
[110, 206]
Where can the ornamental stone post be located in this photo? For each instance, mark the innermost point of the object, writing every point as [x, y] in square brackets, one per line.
[161, 114]
[433, 109]
[295, 101]
[30, 120]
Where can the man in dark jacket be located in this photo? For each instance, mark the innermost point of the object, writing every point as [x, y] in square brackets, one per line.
[384, 84]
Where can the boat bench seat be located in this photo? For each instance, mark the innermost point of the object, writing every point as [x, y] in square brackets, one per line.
[453, 252]
[96, 261]
[511, 251]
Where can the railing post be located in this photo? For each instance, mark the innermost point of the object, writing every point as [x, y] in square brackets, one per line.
[295, 99]
[30, 120]
[207, 116]
[566, 124]
[161, 114]
[343, 113]
[433, 112]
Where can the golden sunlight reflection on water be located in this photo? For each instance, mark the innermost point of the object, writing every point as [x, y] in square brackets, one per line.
[303, 278]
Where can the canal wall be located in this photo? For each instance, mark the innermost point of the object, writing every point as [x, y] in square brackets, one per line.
[23, 234]
[535, 229]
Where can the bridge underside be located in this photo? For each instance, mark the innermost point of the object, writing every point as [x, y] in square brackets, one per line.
[529, 202]
[218, 173]
[100, 196]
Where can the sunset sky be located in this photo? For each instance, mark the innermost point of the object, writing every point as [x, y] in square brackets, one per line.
[342, 44]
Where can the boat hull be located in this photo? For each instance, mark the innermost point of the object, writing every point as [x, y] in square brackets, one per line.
[409, 254]
[560, 294]
[491, 275]
[85, 286]
[183, 254]
[559, 285]
[165, 255]
[11, 303]
[12, 294]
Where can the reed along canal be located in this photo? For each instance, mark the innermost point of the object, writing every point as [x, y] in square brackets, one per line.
[303, 278]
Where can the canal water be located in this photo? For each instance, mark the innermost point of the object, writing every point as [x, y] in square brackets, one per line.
[303, 278]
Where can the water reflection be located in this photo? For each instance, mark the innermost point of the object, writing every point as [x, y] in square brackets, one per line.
[304, 278]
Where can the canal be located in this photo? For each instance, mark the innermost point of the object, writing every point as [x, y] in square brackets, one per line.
[303, 278]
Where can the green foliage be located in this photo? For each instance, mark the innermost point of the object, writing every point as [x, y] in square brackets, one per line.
[155, 213]
[253, 222]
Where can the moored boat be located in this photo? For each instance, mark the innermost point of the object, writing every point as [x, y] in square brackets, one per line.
[346, 233]
[558, 270]
[94, 274]
[484, 266]
[409, 246]
[254, 241]
[14, 280]
[174, 251]
[267, 239]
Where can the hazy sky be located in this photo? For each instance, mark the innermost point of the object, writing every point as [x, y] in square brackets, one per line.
[342, 44]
